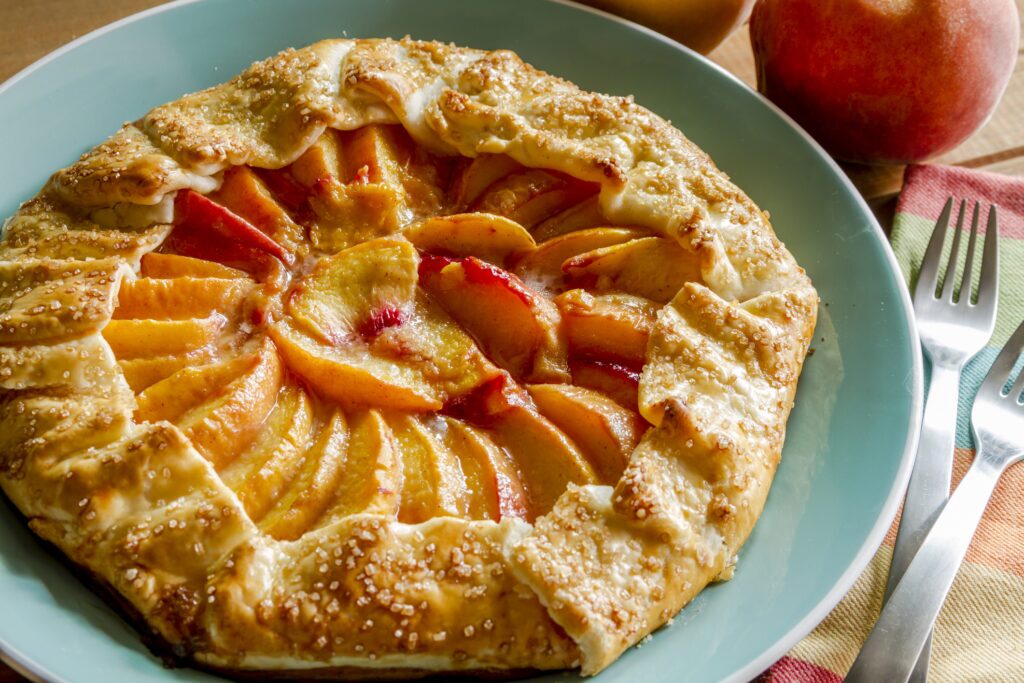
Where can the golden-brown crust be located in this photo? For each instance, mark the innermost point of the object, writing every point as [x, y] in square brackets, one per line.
[139, 507]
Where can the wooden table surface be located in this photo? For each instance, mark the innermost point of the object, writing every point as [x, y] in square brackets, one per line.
[30, 29]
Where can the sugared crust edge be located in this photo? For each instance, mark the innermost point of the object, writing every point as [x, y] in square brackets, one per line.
[603, 569]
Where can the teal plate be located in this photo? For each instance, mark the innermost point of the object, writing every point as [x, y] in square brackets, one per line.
[851, 435]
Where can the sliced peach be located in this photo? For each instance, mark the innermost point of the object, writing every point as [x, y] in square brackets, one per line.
[158, 265]
[516, 326]
[373, 471]
[531, 195]
[617, 380]
[180, 297]
[361, 333]
[583, 216]
[319, 163]
[652, 267]
[168, 399]
[311, 493]
[548, 460]
[346, 215]
[433, 482]
[245, 194]
[477, 175]
[351, 375]
[494, 486]
[141, 373]
[221, 428]
[542, 268]
[142, 338]
[260, 475]
[357, 292]
[195, 213]
[605, 431]
[489, 237]
[609, 326]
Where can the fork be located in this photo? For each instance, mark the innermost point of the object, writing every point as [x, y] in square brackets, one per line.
[997, 420]
[952, 331]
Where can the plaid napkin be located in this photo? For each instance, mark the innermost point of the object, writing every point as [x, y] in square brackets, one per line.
[980, 633]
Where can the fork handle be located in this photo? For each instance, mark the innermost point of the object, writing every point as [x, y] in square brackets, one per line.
[899, 635]
[929, 483]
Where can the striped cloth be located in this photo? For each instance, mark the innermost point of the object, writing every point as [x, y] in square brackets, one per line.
[980, 633]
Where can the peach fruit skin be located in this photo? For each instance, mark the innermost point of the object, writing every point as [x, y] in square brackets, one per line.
[886, 80]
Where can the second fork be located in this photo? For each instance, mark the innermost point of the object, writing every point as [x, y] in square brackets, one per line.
[953, 330]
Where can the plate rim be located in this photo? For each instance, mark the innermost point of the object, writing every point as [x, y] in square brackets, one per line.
[36, 671]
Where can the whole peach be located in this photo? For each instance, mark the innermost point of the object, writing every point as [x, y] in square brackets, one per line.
[886, 80]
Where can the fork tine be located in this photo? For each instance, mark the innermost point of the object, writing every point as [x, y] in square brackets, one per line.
[966, 285]
[949, 281]
[1003, 365]
[988, 287]
[1017, 388]
[927, 276]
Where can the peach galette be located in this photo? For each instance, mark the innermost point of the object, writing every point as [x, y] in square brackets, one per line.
[396, 356]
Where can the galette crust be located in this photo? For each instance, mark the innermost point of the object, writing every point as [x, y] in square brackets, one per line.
[137, 506]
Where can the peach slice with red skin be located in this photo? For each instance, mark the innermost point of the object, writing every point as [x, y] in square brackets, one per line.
[548, 459]
[608, 326]
[605, 431]
[515, 325]
[531, 195]
[494, 486]
[486, 236]
[193, 211]
[655, 268]
[617, 380]
[245, 194]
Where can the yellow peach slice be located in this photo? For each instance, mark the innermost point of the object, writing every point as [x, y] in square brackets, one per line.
[516, 326]
[158, 265]
[477, 175]
[494, 486]
[652, 267]
[583, 216]
[611, 326]
[357, 292]
[531, 195]
[225, 425]
[180, 297]
[373, 471]
[142, 338]
[433, 482]
[141, 373]
[170, 398]
[542, 268]
[260, 475]
[311, 492]
[351, 375]
[605, 431]
[246, 195]
[489, 237]
[319, 163]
